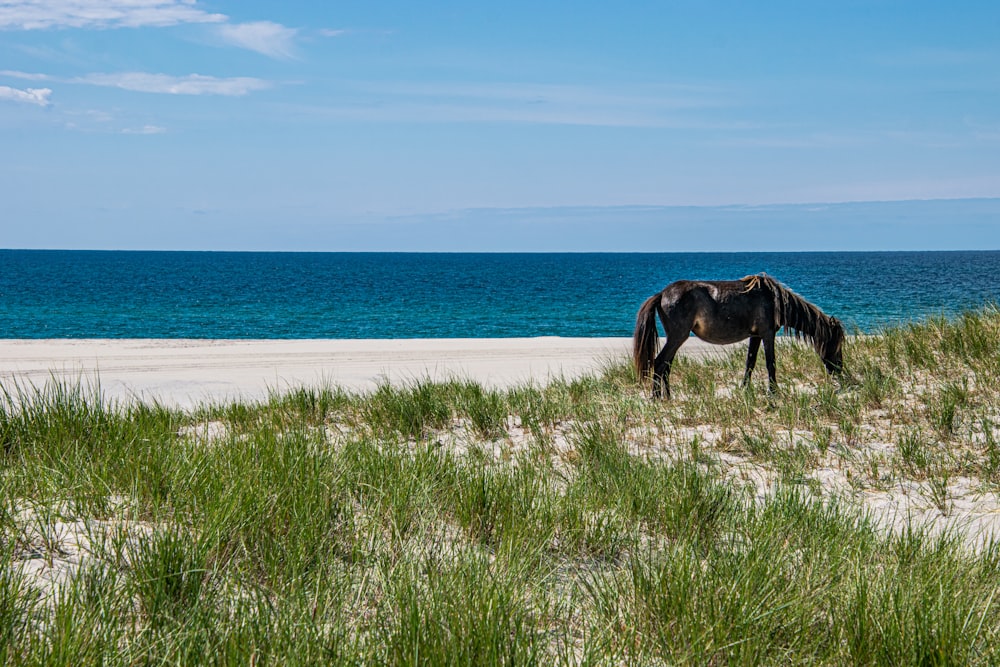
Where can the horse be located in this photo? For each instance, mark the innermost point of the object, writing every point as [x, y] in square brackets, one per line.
[729, 311]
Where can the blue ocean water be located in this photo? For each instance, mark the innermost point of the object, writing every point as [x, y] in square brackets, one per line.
[98, 294]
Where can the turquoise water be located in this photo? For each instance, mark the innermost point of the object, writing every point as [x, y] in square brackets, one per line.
[95, 294]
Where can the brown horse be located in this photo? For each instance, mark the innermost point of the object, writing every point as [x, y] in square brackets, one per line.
[728, 311]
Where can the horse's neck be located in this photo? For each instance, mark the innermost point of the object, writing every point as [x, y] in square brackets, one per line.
[800, 314]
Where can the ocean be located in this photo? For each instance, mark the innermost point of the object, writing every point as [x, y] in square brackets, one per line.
[217, 295]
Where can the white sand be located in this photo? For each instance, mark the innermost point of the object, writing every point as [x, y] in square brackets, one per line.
[186, 373]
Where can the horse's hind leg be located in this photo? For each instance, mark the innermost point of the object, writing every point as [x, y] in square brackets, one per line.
[752, 349]
[661, 365]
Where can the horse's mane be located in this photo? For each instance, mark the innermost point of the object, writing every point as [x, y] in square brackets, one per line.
[791, 311]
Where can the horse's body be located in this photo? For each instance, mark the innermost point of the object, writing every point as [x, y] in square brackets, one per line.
[728, 311]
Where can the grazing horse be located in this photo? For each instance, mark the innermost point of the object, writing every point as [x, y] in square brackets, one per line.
[728, 311]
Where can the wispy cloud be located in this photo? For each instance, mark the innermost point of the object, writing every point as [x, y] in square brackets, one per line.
[103, 122]
[649, 105]
[88, 119]
[145, 82]
[192, 84]
[145, 130]
[266, 37]
[641, 96]
[37, 96]
[26, 76]
[795, 141]
[44, 14]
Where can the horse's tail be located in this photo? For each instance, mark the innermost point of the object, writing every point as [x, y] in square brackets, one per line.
[646, 338]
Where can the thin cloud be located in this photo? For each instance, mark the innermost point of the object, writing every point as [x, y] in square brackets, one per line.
[444, 113]
[796, 141]
[645, 97]
[46, 14]
[145, 82]
[651, 105]
[145, 130]
[193, 84]
[37, 96]
[265, 37]
[26, 76]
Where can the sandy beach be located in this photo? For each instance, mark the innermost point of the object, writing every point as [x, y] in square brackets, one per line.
[185, 372]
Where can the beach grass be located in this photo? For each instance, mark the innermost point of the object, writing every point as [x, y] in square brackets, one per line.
[574, 523]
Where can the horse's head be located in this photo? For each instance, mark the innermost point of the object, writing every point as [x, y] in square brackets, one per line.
[833, 348]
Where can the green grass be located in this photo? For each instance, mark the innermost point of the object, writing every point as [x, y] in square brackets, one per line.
[572, 523]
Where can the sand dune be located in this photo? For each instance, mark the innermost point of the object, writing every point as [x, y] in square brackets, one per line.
[186, 372]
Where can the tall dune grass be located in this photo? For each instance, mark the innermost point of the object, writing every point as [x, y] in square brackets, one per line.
[447, 523]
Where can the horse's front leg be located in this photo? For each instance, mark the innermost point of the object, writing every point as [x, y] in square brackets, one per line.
[772, 382]
[752, 349]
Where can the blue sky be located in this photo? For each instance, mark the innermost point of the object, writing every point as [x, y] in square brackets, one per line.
[182, 124]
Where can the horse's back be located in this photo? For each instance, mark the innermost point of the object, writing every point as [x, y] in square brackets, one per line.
[703, 293]
[718, 311]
